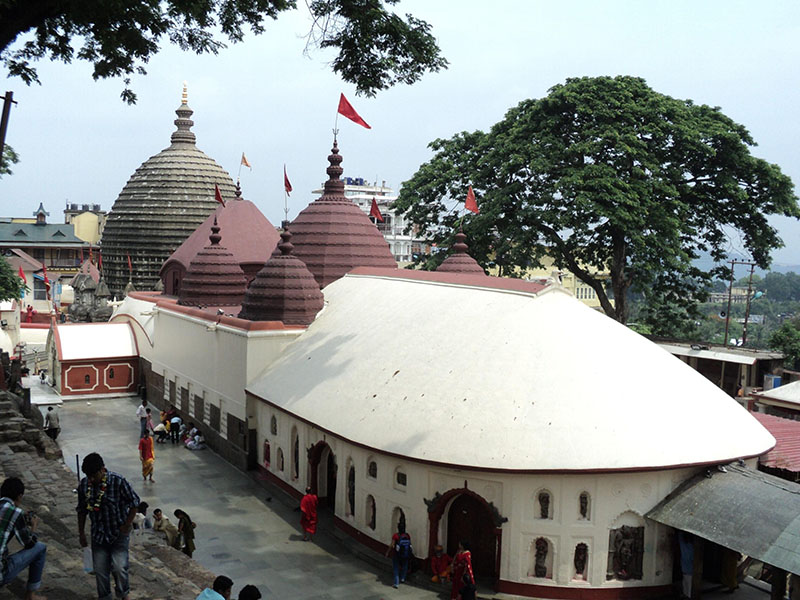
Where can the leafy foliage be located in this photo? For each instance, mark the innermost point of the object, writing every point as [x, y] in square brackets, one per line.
[376, 47]
[621, 185]
[11, 284]
[787, 340]
[8, 158]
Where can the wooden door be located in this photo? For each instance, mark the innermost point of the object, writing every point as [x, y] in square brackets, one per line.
[469, 520]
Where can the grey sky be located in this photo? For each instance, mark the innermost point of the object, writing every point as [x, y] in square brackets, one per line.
[79, 142]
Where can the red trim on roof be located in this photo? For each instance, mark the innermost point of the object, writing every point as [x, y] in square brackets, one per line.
[786, 453]
[466, 279]
[36, 325]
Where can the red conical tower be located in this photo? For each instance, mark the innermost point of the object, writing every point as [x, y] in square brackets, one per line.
[459, 261]
[213, 278]
[332, 235]
[284, 290]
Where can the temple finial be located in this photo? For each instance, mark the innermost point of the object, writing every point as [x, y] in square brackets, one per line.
[184, 95]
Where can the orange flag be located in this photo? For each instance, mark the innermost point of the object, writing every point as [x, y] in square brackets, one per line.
[218, 195]
[245, 162]
[471, 204]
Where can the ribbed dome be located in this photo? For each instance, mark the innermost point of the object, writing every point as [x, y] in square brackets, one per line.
[332, 235]
[164, 201]
[284, 290]
[460, 261]
[214, 278]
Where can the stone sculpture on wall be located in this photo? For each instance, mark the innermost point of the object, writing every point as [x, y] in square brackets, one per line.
[544, 505]
[540, 568]
[581, 556]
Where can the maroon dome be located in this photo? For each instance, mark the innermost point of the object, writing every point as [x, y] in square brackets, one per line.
[459, 261]
[214, 277]
[284, 290]
[332, 235]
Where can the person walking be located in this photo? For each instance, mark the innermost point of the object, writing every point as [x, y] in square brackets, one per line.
[52, 426]
[111, 504]
[141, 412]
[308, 520]
[461, 572]
[401, 550]
[186, 529]
[147, 455]
[13, 521]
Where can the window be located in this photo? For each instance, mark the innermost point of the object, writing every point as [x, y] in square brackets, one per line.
[400, 478]
[625, 553]
[86, 380]
[398, 518]
[580, 560]
[351, 490]
[584, 506]
[372, 469]
[273, 425]
[295, 454]
[39, 290]
[542, 559]
[280, 460]
[111, 373]
[266, 454]
[370, 512]
[544, 505]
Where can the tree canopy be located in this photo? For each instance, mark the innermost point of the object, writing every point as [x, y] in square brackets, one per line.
[377, 48]
[8, 158]
[621, 185]
[11, 285]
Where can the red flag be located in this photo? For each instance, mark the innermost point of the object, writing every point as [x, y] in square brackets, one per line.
[470, 204]
[46, 281]
[130, 267]
[286, 184]
[91, 256]
[100, 259]
[22, 276]
[218, 195]
[81, 249]
[347, 110]
[375, 211]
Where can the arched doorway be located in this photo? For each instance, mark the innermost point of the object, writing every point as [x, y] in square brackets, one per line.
[323, 470]
[468, 519]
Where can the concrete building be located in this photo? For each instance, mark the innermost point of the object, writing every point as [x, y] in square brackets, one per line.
[88, 221]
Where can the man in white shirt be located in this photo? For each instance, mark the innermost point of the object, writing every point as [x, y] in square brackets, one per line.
[141, 412]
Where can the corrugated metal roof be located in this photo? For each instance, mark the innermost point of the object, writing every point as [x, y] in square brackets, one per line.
[30, 234]
[745, 510]
[786, 453]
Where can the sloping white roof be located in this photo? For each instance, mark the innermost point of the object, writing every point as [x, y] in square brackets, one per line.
[785, 393]
[500, 380]
[731, 355]
[85, 341]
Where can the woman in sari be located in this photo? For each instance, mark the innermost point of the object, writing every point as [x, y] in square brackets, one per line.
[147, 456]
[186, 529]
[461, 571]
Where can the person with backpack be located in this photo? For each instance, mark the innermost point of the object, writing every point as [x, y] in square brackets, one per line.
[401, 551]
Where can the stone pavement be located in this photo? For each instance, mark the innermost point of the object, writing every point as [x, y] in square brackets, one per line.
[239, 533]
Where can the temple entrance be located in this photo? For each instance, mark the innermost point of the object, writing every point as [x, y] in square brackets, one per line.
[323, 470]
[469, 519]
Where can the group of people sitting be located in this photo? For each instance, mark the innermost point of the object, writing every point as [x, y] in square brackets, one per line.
[172, 428]
[221, 590]
[180, 537]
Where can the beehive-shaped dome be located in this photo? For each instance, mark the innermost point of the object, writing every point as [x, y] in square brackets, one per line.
[332, 235]
[214, 278]
[284, 290]
[459, 261]
[164, 201]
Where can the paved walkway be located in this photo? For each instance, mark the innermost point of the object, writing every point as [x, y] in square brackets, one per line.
[239, 533]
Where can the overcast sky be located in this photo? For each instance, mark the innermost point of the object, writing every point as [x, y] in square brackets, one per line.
[79, 142]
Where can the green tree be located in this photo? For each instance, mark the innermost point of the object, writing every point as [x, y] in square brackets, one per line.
[786, 339]
[11, 285]
[606, 175]
[8, 158]
[377, 48]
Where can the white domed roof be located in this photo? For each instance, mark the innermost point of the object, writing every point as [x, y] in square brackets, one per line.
[501, 380]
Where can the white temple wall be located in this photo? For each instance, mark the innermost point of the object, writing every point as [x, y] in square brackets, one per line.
[614, 500]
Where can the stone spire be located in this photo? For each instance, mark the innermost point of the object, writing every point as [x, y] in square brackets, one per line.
[284, 290]
[332, 235]
[184, 122]
[459, 261]
[214, 278]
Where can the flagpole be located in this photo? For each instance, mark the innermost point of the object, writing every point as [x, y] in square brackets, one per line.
[239, 174]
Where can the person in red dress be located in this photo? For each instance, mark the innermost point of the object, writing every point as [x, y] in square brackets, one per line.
[461, 570]
[308, 506]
